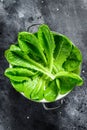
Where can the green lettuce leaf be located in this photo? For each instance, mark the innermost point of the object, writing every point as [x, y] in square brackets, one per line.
[37, 93]
[51, 91]
[19, 74]
[46, 40]
[68, 81]
[74, 59]
[30, 44]
[29, 87]
[62, 50]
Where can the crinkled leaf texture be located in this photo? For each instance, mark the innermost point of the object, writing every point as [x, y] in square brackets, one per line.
[43, 66]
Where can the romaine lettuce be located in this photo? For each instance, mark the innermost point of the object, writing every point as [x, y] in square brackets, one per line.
[45, 66]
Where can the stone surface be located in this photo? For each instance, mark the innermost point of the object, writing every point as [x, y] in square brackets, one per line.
[65, 16]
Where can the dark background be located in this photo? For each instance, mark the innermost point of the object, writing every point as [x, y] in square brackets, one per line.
[65, 16]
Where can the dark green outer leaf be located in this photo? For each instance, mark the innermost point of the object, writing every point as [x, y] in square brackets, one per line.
[68, 81]
[62, 49]
[74, 60]
[29, 43]
[17, 59]
[19, 74]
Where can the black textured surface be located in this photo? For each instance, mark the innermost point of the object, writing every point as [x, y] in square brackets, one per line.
[65, 16]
